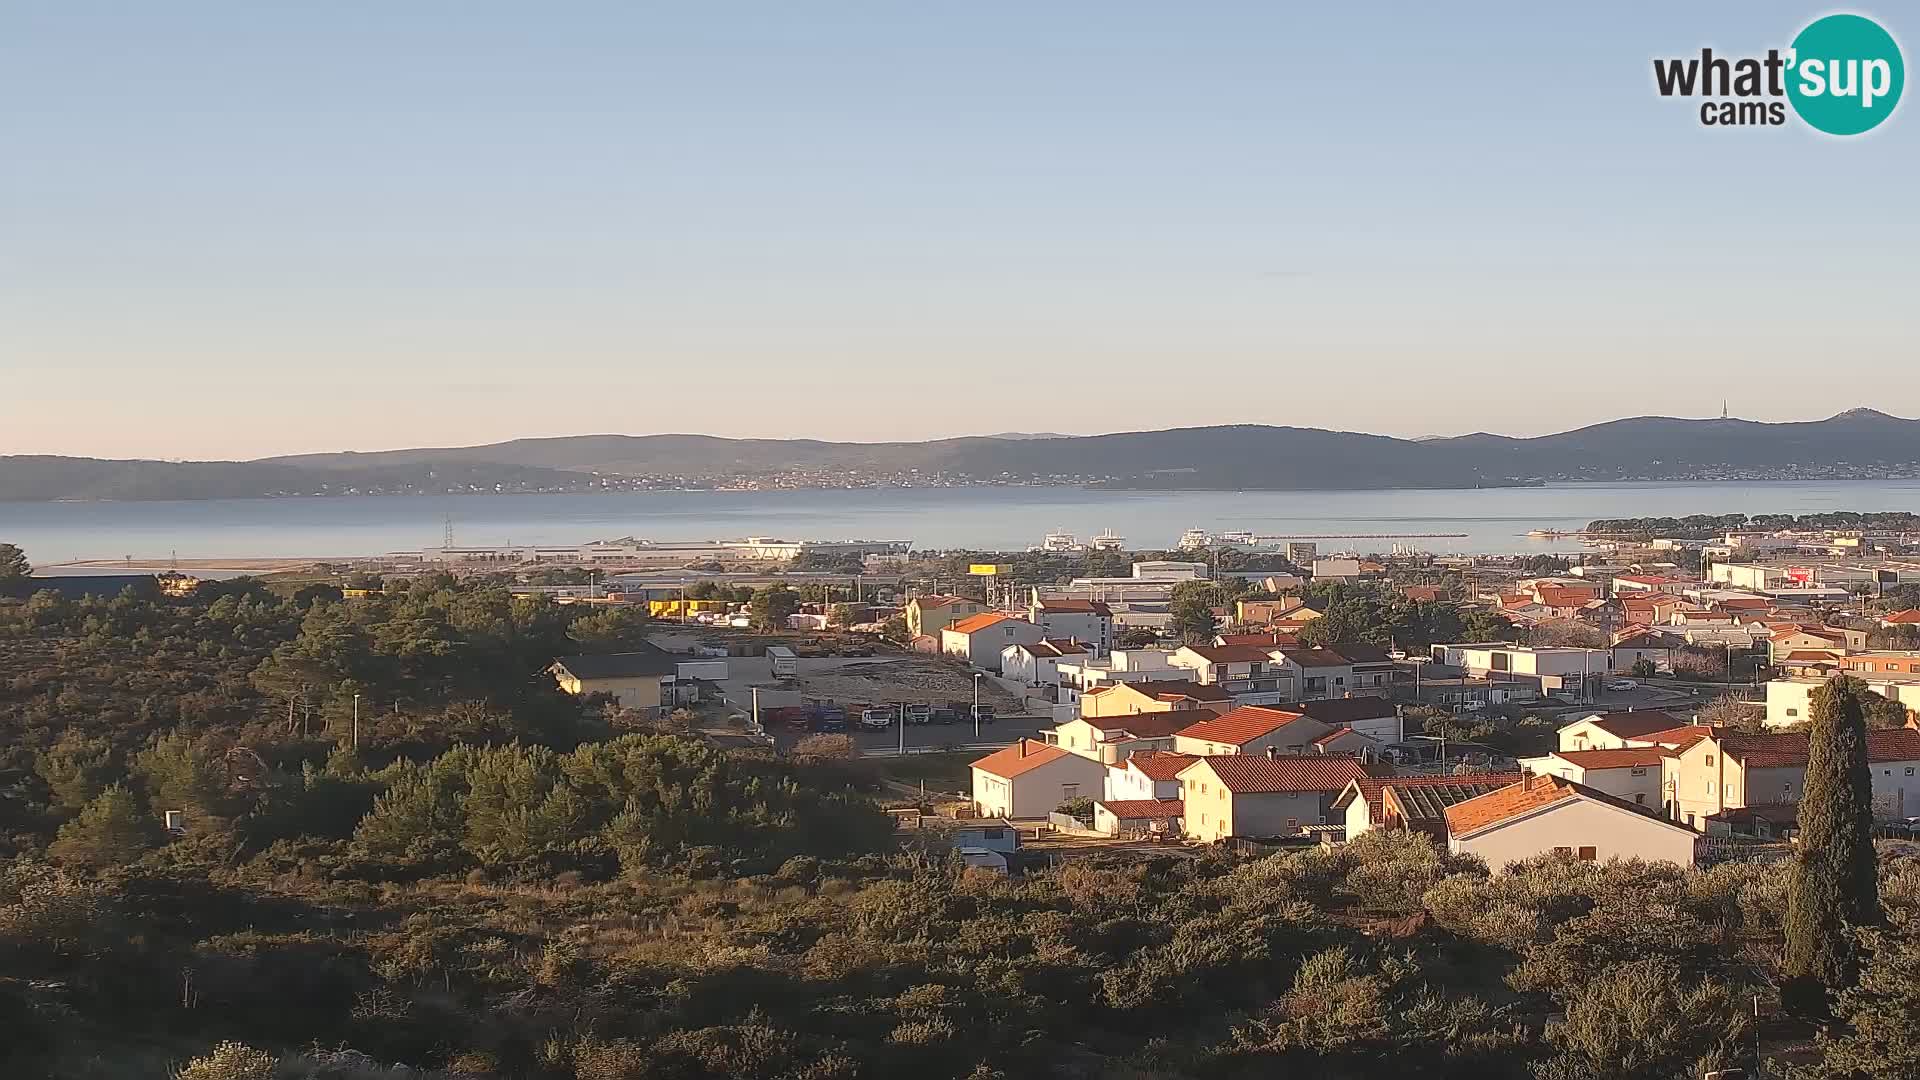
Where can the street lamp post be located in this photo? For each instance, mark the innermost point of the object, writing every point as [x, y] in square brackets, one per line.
[356, 721]
[976, 706]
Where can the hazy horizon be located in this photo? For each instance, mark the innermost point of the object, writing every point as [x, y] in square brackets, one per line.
[230, 231]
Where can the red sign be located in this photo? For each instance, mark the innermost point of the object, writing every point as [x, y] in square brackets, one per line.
[1801, 574]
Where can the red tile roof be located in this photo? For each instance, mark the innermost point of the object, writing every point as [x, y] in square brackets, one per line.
[1258, 774]
[1090, 607]
[1335, 735]
[1159, 764]
[1636, 757]
[1900, 618]
[1240, 726]
[1133, 809]
[1676, 738]
[1789, 749]
[1632, 725]
[1023, 756]
[973, 623]
[934, 600]
[1530, 794]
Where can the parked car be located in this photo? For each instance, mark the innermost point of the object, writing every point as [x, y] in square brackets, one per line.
[876, 719]
[984, 713]
[943, 716]
[1622, 684]
[1472, 706]
[830, 718]
[919, 714]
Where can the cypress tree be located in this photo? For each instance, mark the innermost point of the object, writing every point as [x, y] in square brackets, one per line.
[1834, 886]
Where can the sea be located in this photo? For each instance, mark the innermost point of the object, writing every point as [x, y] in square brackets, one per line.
[1487, 520]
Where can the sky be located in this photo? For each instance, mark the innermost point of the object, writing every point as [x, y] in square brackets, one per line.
[235, 229]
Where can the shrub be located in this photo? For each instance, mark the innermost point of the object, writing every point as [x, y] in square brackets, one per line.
[230, 1061]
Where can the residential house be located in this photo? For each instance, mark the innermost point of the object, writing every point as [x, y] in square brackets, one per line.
[1251, 729]
[1131, 698]
[1372, 668]
[1782, 642]
[1632, 774]
[1089, 622]
[928, 615]
[1336, 570]
[1345, 740]
[1909, 617]
[1038, 664]
[1373, 716]
[1725, 770]
[1253, 674]
[1147, 774]
[1541, 814]
[1323, 673]
[1615, 730]
[1416, 803]
[1030, 779]
[1261, 795]
[980, 639]
[1881, 661]
[1642, 643]
[1790, 699]
[1114, 739]
[635, 680]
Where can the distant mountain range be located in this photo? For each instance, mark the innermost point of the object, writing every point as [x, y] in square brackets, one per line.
[1860, 443]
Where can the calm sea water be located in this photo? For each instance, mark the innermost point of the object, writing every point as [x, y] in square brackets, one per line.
[989, 518]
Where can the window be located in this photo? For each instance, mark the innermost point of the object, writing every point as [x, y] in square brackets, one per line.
[1563, 851]
[1293, 823]
[1641, 798]
[1639, 770]
[1069, 791]
[1223, 794]
[1793, 712]
[994, 834]
[1588, 854]
[1709, 787]
[1709, 759]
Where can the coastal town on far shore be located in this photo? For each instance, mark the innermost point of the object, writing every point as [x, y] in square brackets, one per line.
[1641, 695]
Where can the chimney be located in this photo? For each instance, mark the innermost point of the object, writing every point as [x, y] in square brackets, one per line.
[1273, 752]
[1023, 748]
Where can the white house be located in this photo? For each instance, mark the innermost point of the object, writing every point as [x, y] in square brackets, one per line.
[1631, 774]
[1147, 774]
[1089, 622]
[1038, 664]
[1029, 779]
[980, 639]
[1542, 814]
[1790, 700]
[1323, 673]
[1615, 730]
[1253, 674]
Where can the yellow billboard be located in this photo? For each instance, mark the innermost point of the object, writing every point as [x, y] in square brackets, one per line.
[988, 569]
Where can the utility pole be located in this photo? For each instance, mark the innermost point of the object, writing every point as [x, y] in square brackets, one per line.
[903, 729]
[976, 706]
[356, 722]
[757, 728]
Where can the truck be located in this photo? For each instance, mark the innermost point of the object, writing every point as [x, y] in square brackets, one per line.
[785, 664]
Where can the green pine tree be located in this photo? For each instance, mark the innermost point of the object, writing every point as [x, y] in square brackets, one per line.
[112, 830]
[1834, 886]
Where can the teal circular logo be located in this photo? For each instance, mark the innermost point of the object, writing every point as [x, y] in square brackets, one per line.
[1845, 75]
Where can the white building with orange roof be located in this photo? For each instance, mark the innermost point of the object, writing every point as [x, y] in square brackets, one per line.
[1552, 814]
[980, 639]
[1030, 779]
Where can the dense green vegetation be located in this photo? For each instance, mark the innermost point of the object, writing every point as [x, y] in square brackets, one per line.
[1703, 526]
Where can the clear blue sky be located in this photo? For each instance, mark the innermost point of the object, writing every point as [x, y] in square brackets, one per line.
[231, 229]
